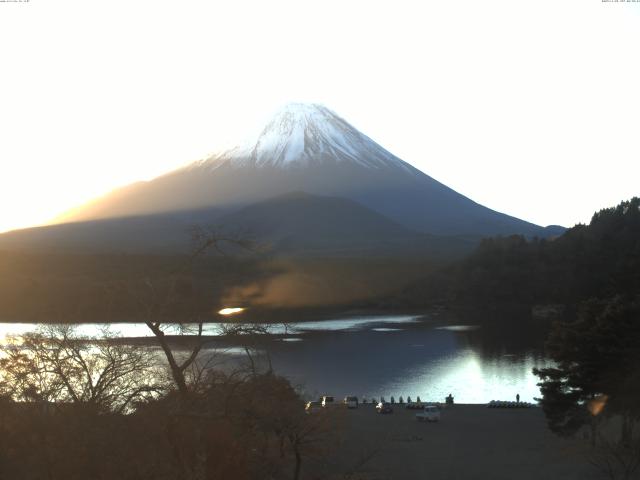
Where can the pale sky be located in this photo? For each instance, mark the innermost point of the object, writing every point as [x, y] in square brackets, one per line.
[528, 107]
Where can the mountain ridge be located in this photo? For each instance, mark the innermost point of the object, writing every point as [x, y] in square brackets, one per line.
[310, 149]
[235, 178]
[292, 224]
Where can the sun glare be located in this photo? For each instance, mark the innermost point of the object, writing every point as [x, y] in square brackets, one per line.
[230, 310]
[596, 405]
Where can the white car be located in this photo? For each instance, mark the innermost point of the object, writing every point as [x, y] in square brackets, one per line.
[430, 413]
[312, 407]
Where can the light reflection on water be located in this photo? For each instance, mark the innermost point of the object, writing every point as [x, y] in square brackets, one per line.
[372, 356]
[354, 323]
[459, 328]
[419, 359]
[470, 378]
[140, 330]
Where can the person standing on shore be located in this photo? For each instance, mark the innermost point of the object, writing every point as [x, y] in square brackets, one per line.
[517, 398]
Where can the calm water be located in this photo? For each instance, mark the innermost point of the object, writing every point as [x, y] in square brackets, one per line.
[384, 356]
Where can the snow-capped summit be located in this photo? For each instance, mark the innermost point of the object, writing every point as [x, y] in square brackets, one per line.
[301, 134]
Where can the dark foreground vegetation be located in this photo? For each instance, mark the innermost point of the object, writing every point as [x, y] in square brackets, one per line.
[102, 409]
[70, 409]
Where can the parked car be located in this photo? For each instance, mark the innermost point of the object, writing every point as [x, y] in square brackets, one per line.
[313, 406]
[430, 413]
[327, 401]
[384, 407]
[351, 402]
[414, 406]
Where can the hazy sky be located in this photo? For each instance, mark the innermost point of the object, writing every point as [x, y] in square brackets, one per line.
[529, 107]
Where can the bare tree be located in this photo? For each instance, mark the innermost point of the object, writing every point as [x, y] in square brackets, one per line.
[56, 365]
[253, 338]
[168, 305]
[616, 459]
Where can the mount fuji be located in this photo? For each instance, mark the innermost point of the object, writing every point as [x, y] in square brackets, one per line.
[307, 149]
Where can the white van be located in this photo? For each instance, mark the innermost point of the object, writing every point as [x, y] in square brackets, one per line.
[430, 413]
[327, 401]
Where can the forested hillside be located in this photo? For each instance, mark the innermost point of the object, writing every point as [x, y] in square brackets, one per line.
[601, 259]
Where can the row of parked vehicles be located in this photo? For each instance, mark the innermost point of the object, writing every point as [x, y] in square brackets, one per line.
[427, 412]
[503, 404]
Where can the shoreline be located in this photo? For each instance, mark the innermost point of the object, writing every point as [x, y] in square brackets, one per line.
[469, 442]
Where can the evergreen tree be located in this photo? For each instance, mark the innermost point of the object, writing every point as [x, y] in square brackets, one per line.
[597, 360]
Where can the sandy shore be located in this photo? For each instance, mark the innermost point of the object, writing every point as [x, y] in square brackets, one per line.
[470, 442]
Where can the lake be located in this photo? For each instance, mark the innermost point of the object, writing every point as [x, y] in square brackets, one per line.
[383, 356]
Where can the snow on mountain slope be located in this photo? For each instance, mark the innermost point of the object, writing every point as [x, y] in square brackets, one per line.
[303, 134]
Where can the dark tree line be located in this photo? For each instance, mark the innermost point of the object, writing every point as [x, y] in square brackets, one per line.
[599, 260]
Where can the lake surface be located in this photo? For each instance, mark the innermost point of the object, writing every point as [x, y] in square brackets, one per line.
[382, 356]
